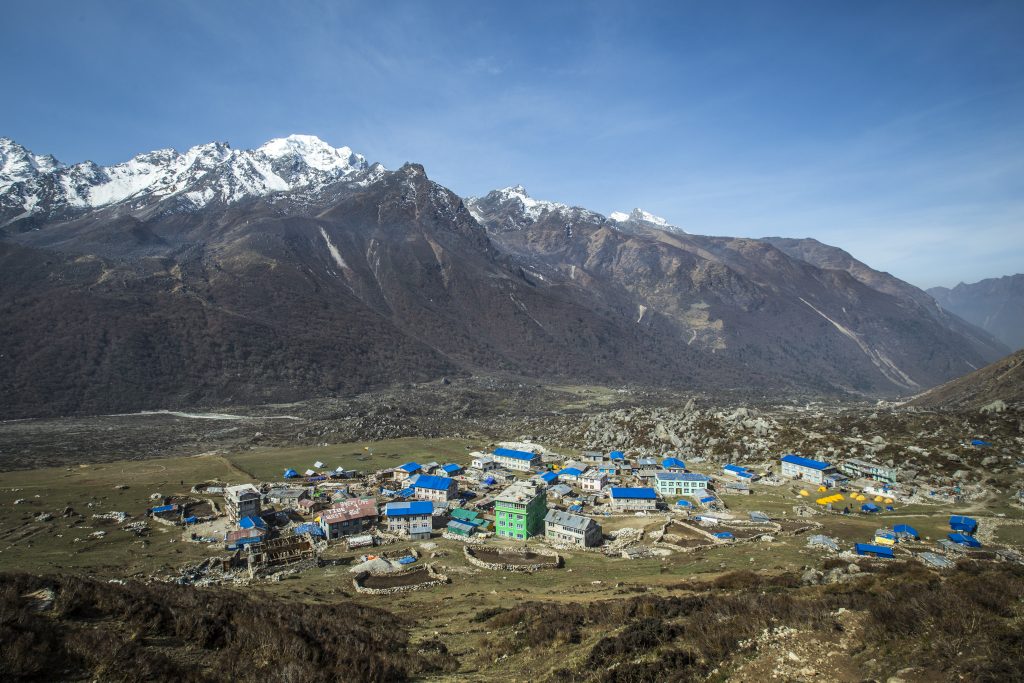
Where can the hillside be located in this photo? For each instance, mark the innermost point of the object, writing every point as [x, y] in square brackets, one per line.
[1000, 381]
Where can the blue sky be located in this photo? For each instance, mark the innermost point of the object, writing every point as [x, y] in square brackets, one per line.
[892, 129]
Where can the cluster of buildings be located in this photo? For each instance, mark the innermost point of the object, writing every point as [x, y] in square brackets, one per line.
[514, 494]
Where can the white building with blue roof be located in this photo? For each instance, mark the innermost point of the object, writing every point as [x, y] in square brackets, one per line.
[522, 461]
[414, 519]
[431, 487]
[681, 483]
[805, 469]
[629, 498]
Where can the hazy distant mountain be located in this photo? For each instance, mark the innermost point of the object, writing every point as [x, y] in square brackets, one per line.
[995, 305]
[297, 269]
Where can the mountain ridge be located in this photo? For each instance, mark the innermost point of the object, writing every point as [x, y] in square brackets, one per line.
[358, 277]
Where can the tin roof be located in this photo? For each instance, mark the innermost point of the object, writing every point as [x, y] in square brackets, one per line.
[805, 462]
[510, 453]
[644, 493]
[416, 507]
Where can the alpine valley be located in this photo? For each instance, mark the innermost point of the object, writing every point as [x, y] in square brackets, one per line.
[295, 270]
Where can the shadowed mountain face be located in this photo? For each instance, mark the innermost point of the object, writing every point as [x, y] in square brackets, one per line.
[296, 271]
[996, 305]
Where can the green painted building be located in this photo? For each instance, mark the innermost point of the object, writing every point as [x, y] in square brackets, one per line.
[519, 511]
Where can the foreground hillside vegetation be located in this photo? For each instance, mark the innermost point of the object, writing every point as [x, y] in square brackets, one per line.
[965, 625]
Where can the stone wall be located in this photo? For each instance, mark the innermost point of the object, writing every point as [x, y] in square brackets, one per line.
[554, 563]
[436, 579]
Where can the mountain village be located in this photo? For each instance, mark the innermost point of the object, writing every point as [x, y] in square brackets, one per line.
[516, 506]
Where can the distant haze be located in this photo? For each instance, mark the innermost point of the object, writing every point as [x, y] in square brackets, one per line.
[892, 130]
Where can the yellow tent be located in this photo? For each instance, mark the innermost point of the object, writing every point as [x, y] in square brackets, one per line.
[888, 501]
[879, 499]
[822, 489]
[804, 493]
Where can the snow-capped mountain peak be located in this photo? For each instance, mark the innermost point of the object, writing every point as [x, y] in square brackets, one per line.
[314, 152]
[18, 164]
[640, 218]
[521, 209]
[211, 172]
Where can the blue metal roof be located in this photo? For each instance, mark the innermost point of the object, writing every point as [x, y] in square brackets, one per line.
[510, 453]
[451, 467]
[681, 476]
[617, 455]
[407, 492]
[805, 462]
[570, 471]
[645, 493]
[739, 471]
[871, 549]
[673, 462]
[549, 476]
[410, 467]
[414, 507]
[428, 481]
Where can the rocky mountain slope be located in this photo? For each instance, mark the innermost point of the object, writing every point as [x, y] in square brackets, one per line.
[297, 270]
[995, 387]
[996, 305]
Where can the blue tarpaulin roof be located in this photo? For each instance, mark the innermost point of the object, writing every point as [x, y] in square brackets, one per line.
[408, 559]
[308, 528]
[964, 539]
[251, 523]
[489, 481]
[673, 462]
[290, 473]
[979, 442]
[684, 504]
[707, 499]
[407, 492]
[724, 534]
[413, 507]
[510, 453]
[869, 507]
[805, 462]
[876, 550]
[617, 455]
[962, 523]
[644, 493]
[575, 508]
[906, 530]
[191, 519]
[164, 508]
